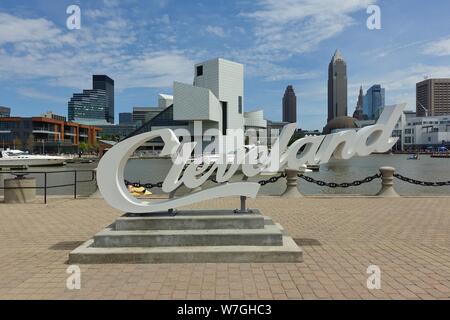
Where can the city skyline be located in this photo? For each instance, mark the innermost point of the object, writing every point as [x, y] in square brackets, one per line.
[147, 47]
[337, 87]
[359, 111]
[374, 101]
[289, 105]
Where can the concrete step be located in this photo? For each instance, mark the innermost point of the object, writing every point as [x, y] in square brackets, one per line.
[288, 251]
[190, 220]
[270, 235]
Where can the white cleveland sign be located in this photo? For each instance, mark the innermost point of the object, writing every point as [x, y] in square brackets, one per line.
[317, 149]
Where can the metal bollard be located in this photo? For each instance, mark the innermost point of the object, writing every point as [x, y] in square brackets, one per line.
[291, 190]
[387, 183]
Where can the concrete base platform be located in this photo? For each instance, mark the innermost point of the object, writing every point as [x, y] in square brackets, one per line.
[288, 252]
[189, 236]
[190, 220]
[268, 236]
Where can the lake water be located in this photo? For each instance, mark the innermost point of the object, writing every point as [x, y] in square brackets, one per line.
[58, 176]
[426, 168]
[146, 171]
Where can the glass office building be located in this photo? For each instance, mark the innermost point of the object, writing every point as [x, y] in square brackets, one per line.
[374, 101]
[103, 82]
[94, 104]
[125, 118]
[89, 105]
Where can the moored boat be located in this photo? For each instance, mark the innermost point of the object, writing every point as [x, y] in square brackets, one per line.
[440, 155]
[413, 157]
[17, 158]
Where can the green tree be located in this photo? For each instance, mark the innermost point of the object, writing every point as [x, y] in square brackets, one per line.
[105, 137]
[18, 144]
[30, 143]
[84, 146]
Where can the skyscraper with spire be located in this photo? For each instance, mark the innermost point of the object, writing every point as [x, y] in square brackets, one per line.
[359, 113]
[337, 87]
[289, 105]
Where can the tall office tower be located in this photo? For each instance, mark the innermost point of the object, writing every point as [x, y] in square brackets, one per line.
[89, 106]
[374, 102]
[337, 87]
[289, 105]
[359, 113]
[433, 97]
[96, 105]
[103, 82]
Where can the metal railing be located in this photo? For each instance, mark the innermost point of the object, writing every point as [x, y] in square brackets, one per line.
[45, 187]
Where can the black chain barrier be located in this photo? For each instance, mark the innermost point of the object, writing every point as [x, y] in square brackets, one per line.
[421, 183]
[262, 182]
[146, 185]
[272, 179]
[340, 185]
[318, 182]
[159, 184]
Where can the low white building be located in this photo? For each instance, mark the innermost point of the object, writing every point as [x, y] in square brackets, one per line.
[215, 100]
[419, 133]
[255, 120]
[424, 132]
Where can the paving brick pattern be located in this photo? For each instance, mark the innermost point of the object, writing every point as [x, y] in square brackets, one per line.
[408, 238]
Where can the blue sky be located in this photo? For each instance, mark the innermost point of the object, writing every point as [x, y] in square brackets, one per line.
[146, 45]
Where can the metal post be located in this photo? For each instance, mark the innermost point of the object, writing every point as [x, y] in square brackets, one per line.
[387, 183]
[75, 185]
[171, 196]
[243, 203]
[243, 200]
[45, 187]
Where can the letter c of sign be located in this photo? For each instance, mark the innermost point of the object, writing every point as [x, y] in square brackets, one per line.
[110, 177]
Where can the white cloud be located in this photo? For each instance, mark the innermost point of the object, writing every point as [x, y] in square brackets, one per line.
[35, 94]
[287, 28]
[161, 3]
[215, 30]
[298, 26]
[16, 30]
[438, 48]
[272, 72]
[36, 49]
[157, 70]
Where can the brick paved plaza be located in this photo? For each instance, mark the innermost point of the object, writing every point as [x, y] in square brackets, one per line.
[408, 238]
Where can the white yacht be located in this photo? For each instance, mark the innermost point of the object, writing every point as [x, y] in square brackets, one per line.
[13, 158]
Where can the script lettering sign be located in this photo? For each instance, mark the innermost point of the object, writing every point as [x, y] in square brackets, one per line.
[314, 150]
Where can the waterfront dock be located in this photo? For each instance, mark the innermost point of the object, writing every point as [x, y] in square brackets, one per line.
[407, 237]
[440, 155]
